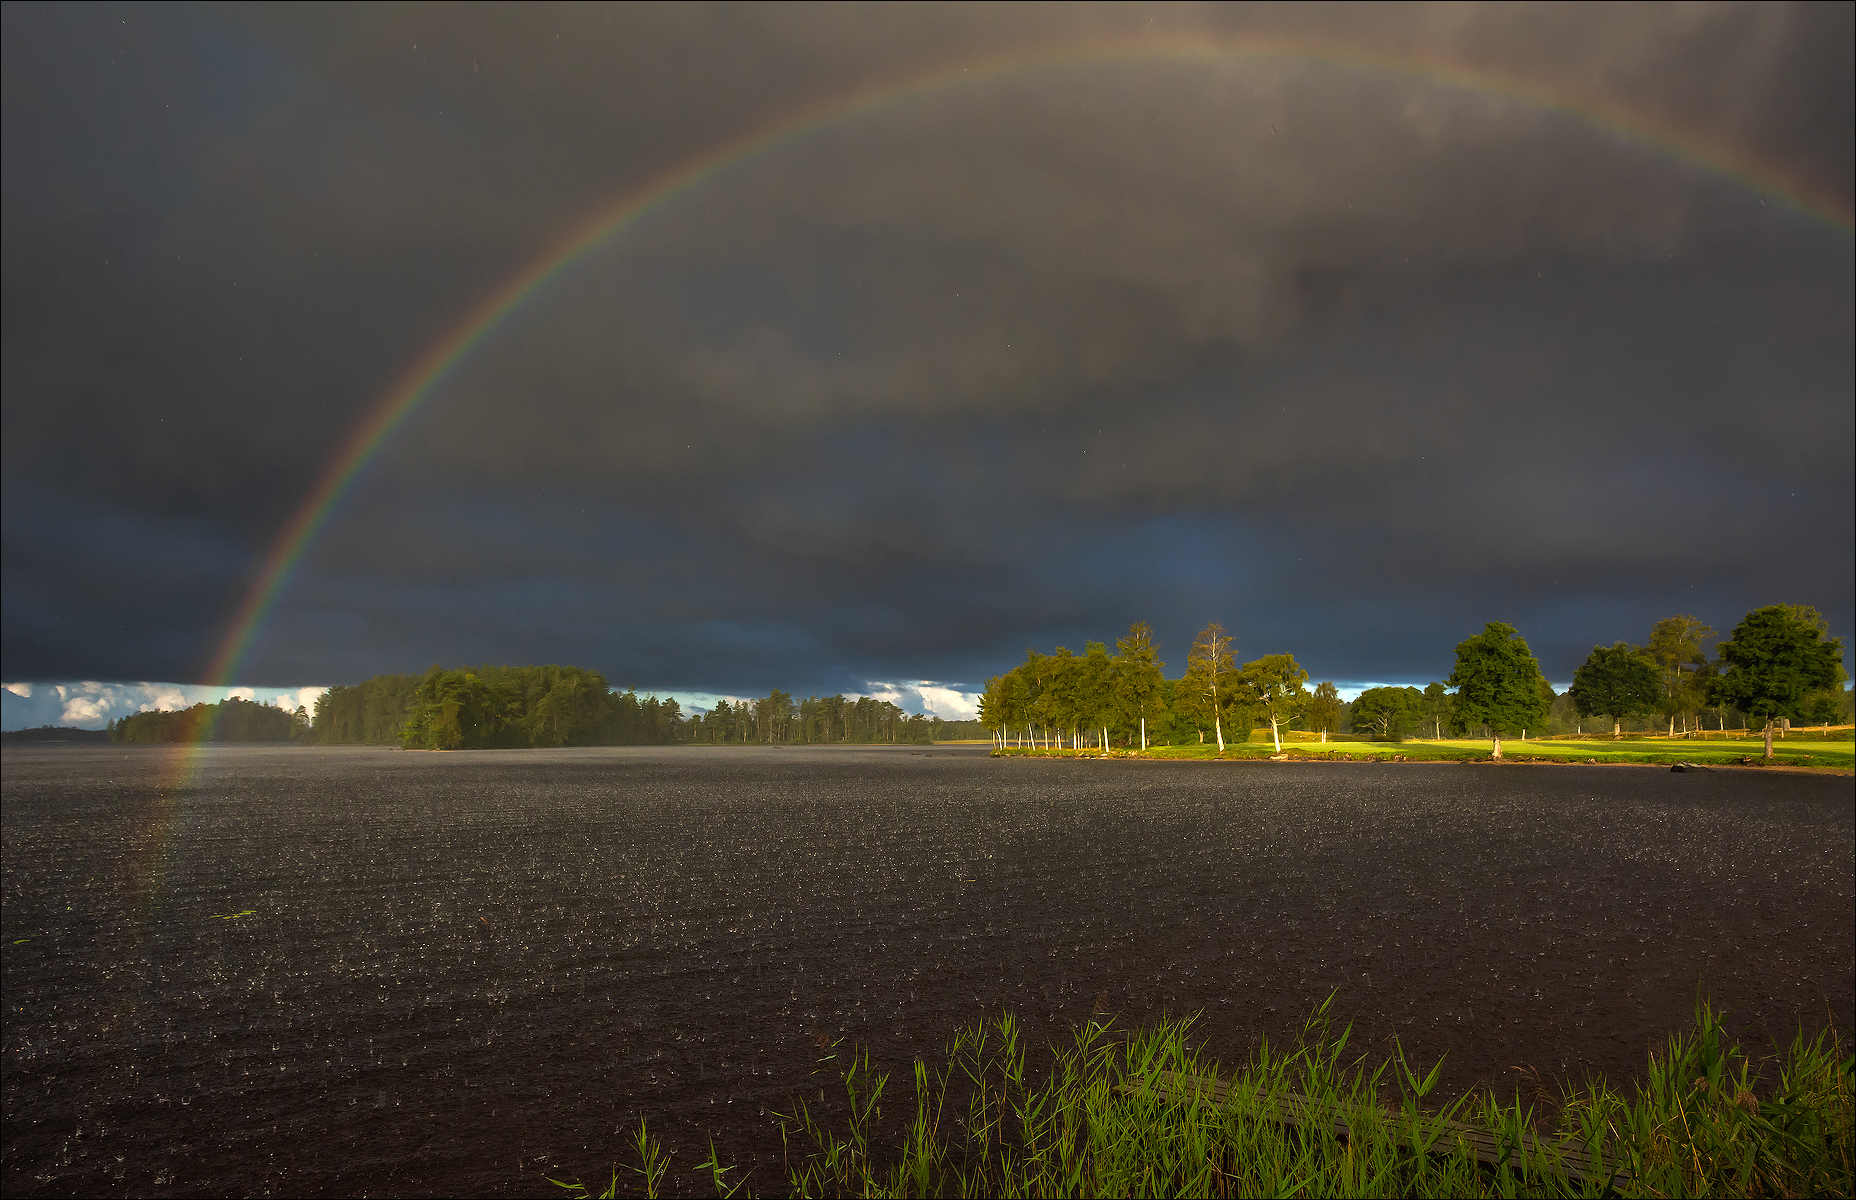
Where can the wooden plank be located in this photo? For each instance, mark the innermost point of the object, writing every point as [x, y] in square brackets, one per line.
[1289, 1108]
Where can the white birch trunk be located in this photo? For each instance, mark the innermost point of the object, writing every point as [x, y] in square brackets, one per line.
[1498, 747]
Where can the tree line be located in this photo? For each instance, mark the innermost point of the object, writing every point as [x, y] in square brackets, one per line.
[504, 707]
[233, 719]
[822, 720]
[491, 707]
[1779, 664]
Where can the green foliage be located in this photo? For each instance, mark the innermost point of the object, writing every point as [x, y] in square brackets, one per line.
[1139, 686]
[780, 718]
[1325, 709]
[1497, 682]
[1775, 659]
[231, 720]
[1389, 712]
[491, 708]
[1276, 687]
[1436, 709]
[1617, 681]
[1678, 647]
[1208, 691]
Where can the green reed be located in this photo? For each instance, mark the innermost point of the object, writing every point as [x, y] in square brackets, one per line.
[1093, 1123]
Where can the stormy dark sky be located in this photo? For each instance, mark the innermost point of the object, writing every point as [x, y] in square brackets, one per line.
[1327, 344]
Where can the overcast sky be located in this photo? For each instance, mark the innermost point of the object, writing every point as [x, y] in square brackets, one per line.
[1124, 321]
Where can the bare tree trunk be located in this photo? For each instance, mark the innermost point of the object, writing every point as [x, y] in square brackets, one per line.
[1218, 724]
[1768, 737]
[1324, 737]
[1617, 728]
[1143, 735]
[1498, 747]
[1276, 733]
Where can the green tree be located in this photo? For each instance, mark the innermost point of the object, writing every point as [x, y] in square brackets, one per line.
[1095, 690]
[1678, 647]
[1774, 659]
[1387, 711]
[1617, 681]
[1056, 702]
[1436, 708]
[1207, 689]
[1276, 684]
[1139, 693]
[1825, 706]
[1497, 683]
[995, 708]
[1324, 710]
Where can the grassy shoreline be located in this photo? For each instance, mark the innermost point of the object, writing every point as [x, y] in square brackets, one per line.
[1107, 1118]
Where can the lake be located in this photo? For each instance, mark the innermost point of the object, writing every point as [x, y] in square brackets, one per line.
[460, 973]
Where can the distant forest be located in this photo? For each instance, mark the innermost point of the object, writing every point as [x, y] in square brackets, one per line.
[488, 707]
[54, 735]
[230, 720]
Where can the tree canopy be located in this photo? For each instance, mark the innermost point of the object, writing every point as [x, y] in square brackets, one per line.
[1140, 694]
[1498, 683]
[1617, 681]
[1277, 686]
[1773, 661]
[1388, 711]
[233, 719]
[1209, 685]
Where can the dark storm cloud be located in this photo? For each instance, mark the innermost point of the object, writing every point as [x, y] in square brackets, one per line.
[1348, 358]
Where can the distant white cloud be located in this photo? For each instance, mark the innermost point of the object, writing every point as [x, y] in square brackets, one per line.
[89, 704]
[949, 704]
[925, 695]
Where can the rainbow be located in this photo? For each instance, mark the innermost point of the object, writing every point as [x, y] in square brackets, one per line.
[422, 378]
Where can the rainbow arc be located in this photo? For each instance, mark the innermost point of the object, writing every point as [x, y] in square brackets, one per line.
[423, 376]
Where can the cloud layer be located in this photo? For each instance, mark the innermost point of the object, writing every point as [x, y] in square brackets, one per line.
[1324, 342]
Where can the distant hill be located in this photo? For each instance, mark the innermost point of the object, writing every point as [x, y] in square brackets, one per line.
[57, 733]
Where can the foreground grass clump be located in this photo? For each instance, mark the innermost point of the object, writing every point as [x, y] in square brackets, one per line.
[1144, 1113]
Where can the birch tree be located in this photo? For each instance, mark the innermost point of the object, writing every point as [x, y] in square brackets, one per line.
[1276, 683]
[1206, 690]
[1139, 683]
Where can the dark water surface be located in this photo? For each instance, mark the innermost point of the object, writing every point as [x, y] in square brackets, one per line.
[465, 971]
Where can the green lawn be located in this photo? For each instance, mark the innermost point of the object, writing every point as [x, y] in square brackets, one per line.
[1795, 751]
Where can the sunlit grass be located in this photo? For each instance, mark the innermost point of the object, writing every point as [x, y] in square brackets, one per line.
[1815, 751]
[1146, 1113]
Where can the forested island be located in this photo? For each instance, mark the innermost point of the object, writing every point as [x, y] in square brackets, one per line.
[231, 720]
